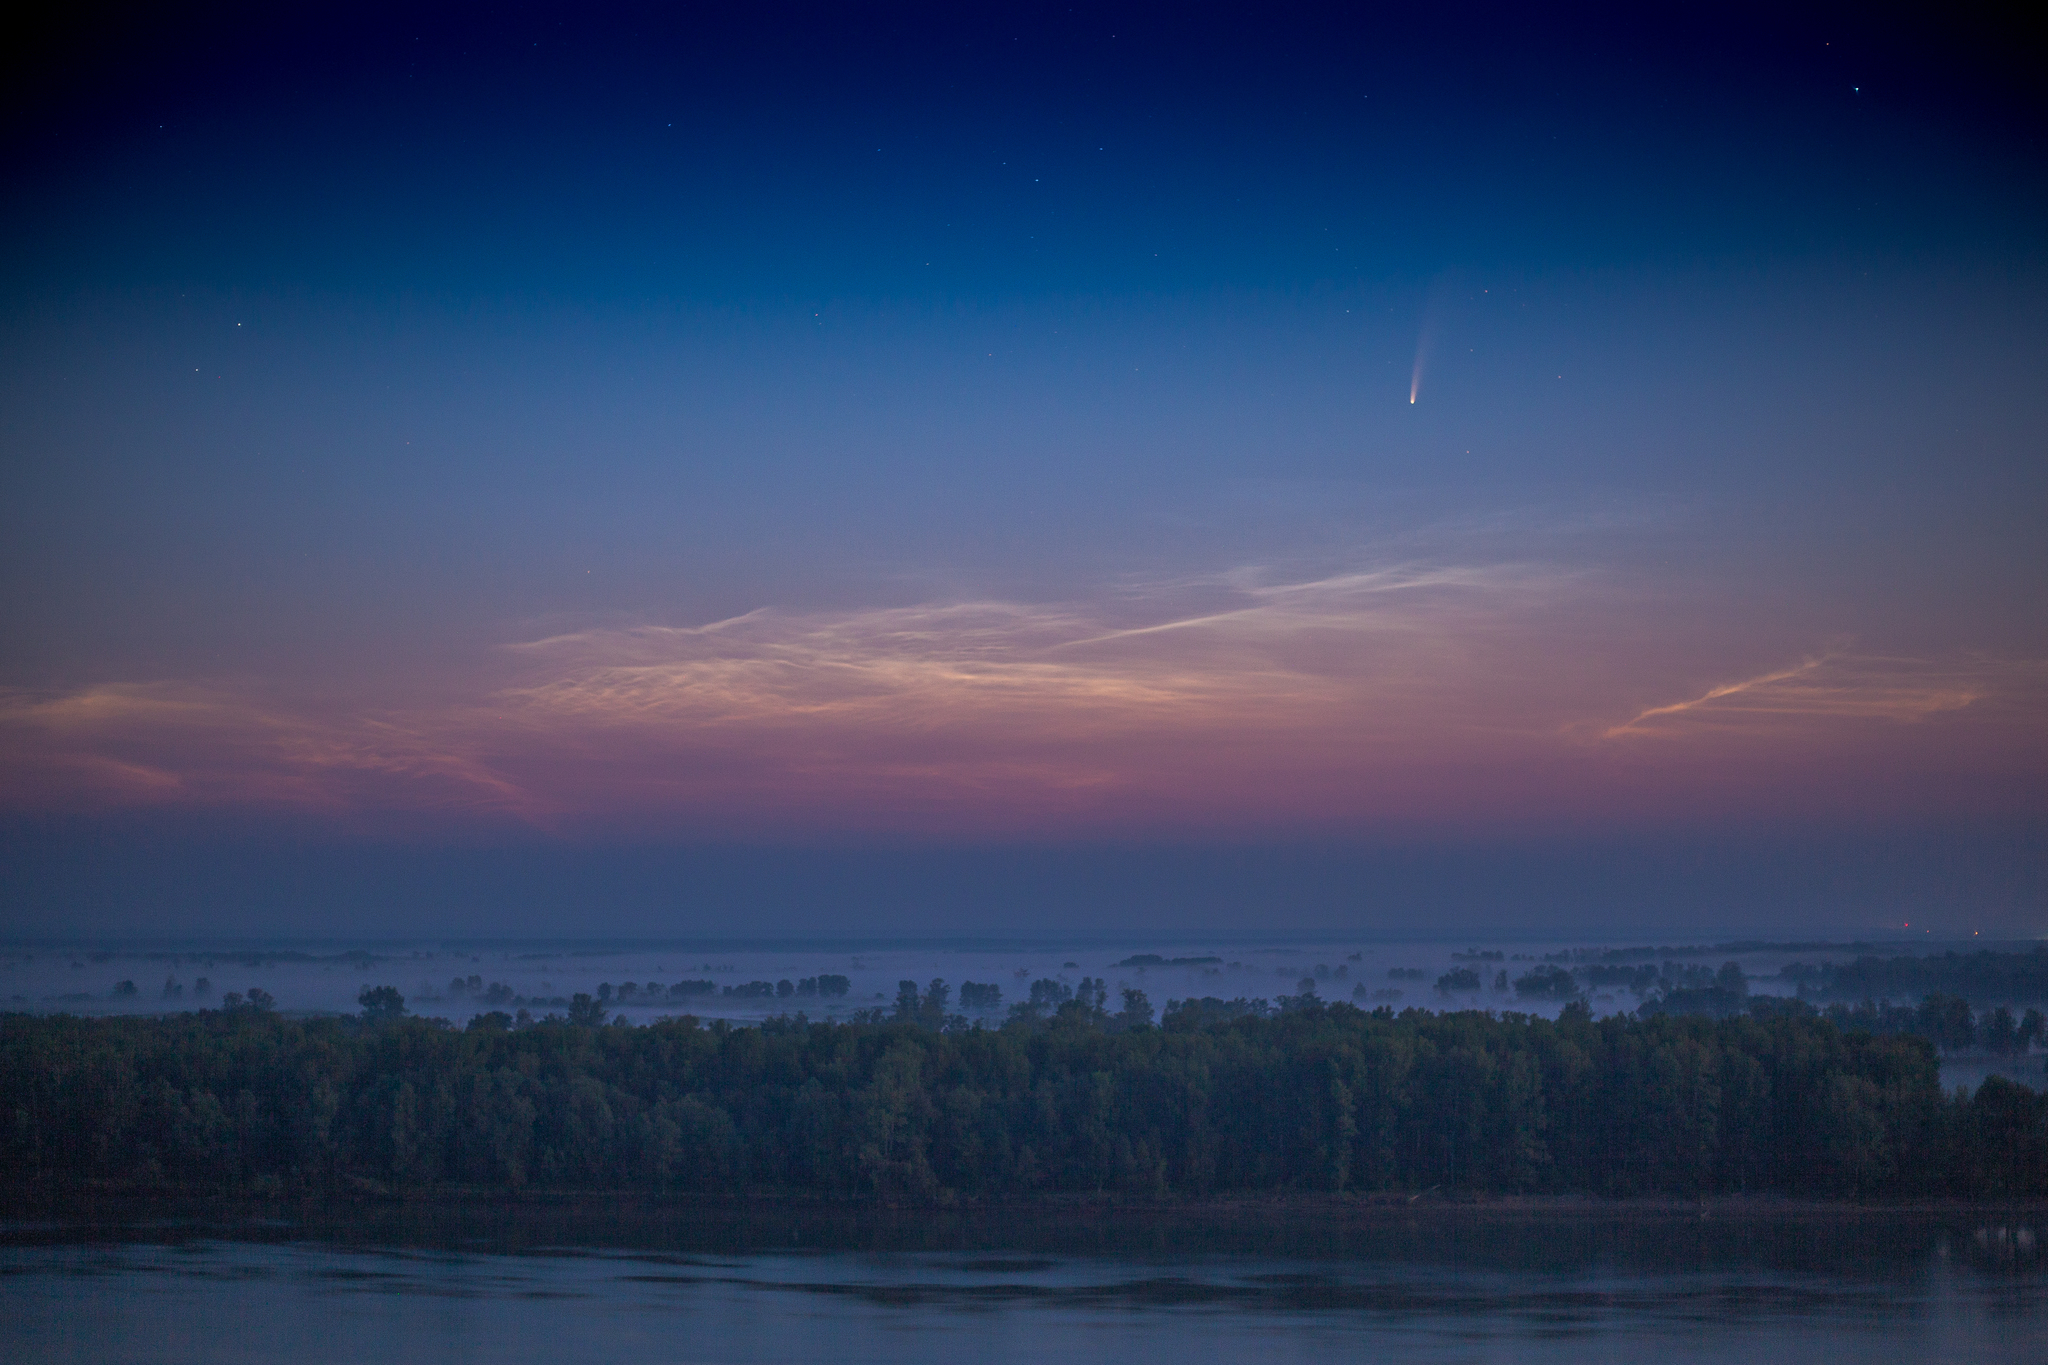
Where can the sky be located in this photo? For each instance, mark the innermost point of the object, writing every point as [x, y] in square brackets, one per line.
[988, 470]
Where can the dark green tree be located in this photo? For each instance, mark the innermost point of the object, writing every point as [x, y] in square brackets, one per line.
[381, 1004]
[1948, 1021]
[932, 1010]
[1137, 1010]
[1999, 1032]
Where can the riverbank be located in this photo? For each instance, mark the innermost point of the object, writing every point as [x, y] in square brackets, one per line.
[103, 1205]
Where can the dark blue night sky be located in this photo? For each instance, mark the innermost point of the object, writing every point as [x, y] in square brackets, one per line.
[761, 469]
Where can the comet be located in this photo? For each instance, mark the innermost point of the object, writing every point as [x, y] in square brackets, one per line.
[1423, 337]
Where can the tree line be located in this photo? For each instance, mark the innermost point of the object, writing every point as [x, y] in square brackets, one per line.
[1947, 1019]
[1068, 1096]
[1989, 976]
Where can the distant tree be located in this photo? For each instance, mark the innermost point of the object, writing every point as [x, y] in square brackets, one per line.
[585, 1011]
[123, 989]
[2031, 1029]
[785, 988]
[1999, 1032]
[1184, 1016]
[1460, 979]
[260, 999]
[1304, 998]
[975, 996]
[202, 988]
[831, 985]
[604, 992]
[380, 1003]
[1638, 979]
[1946, 1019]
[1137, 1010]
[1085, 1009]
[1050, 997]
[496, 1021]
[907, 1001]
[1547, 983]
[1692, 990]
[1047, 992]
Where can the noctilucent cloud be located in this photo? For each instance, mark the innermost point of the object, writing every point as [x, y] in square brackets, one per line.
[799, 470]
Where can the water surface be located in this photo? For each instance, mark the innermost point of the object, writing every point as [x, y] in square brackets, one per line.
[1438, 1286]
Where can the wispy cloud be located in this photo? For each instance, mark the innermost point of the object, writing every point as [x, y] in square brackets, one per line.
[1188, 654]
[916, 704]
[201, 742]
[1827, 686]
[1246, 697]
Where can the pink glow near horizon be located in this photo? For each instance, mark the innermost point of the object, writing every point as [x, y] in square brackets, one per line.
[1409, 696]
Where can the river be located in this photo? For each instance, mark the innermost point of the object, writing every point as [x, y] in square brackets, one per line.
[1586, 1283]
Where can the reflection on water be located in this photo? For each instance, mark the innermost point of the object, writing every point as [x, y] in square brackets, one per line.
[1439, 1286]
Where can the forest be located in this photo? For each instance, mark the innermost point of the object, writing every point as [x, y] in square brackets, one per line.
[1215, 1098]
